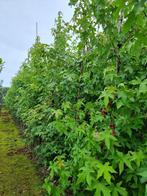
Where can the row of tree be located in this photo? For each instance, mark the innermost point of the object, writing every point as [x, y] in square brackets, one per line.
[3, 90]
[83, 100]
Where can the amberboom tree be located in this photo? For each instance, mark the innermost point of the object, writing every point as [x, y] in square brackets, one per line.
[85, 107]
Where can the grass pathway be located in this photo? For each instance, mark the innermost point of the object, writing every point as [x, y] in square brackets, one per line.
[17, 173]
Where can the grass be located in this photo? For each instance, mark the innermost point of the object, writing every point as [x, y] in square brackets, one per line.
[18, 175]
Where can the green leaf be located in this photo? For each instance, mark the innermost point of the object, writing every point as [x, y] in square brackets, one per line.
[129, 22]
[123, 159]
[73, 2]
[47, 186]
[105, 171]
[143, 87]
[119, 104]
[86, 175]
[102, 189]
[138, 157]
[58, 113]
[121, 167]
[106, 101]
[143, 174]
[66, 106]
[118, 190]
[108, 138]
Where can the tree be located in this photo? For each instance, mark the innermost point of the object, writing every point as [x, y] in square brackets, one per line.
[83, 100]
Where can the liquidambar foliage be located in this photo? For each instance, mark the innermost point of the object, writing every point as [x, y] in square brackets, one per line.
[83, 100]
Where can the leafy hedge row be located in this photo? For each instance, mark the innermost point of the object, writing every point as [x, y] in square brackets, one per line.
[2, 91]
[83, 100]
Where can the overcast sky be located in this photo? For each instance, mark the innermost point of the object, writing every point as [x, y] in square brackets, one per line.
[17, 29]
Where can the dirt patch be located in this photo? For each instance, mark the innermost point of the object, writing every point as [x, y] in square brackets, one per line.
[25, 151]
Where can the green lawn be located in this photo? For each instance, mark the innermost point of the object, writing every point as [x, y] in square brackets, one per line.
[17, 173]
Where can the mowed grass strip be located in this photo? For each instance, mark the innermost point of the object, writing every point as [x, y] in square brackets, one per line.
[18, 175]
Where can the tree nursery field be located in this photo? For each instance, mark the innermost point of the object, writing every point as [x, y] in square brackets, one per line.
[83, 101]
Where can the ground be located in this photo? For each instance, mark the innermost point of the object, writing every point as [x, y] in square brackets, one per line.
[18, 175]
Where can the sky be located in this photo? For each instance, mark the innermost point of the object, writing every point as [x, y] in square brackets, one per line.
[18, 29]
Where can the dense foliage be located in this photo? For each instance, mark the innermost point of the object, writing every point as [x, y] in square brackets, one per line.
[83, 100]
[3, 92]
[1, 88]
